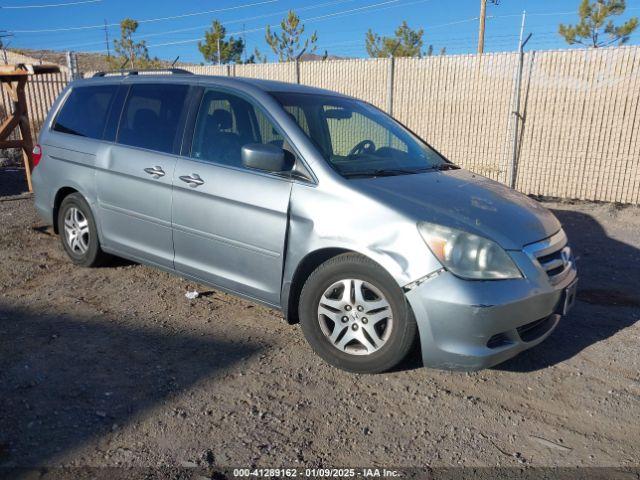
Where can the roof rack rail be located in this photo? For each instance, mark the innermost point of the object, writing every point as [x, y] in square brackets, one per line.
[174, 71]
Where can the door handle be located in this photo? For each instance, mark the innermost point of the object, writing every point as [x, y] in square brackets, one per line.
[193, 180]
[156, 171]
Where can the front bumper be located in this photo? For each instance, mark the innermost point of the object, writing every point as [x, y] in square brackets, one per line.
[471, 325]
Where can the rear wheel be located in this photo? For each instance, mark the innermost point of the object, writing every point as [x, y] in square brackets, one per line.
[78, 232]
[355, 316]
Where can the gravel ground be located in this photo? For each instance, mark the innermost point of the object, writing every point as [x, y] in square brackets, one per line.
[115, 367]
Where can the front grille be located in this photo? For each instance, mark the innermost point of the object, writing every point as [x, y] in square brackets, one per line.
[553, 255]
[553, 263]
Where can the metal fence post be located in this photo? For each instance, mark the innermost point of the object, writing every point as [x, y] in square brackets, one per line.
[297, 60]
[513, 170]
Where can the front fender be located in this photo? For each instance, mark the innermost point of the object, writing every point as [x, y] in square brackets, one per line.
[345, 220]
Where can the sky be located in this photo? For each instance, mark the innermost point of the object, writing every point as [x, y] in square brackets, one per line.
[173, 28]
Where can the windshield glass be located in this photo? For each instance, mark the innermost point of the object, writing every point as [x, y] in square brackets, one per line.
[358, 139]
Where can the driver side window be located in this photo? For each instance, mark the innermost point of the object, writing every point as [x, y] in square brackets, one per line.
[226, 123]
[345, 133]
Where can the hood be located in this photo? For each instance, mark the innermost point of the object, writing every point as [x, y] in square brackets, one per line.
[466, 201]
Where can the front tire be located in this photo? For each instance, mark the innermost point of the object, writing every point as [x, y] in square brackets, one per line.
[354, 315]
[78, 232]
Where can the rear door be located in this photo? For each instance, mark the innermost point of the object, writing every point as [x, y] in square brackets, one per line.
[134, 179]
[230, 222]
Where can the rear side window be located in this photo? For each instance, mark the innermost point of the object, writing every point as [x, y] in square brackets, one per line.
[151, 116]
[85, 111]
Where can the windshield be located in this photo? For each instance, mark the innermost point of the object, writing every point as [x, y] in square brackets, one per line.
[357, 139]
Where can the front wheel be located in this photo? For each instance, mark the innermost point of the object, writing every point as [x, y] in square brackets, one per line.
[354, 315]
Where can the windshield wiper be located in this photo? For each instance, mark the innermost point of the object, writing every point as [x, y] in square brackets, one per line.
[446, 166]
[386, 172]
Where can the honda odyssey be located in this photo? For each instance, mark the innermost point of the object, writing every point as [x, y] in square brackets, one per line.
[309, 201]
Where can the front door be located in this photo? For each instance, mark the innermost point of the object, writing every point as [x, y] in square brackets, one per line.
[229, 222]
[134, 174]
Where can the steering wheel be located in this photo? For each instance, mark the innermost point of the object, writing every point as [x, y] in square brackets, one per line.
[365, 146]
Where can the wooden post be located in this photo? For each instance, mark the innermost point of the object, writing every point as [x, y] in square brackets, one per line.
[483, 17]
[14, 80]
[25, 130]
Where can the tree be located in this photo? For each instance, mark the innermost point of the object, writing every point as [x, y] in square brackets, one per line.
[406, 42]
[595, 22]
[230, 50]
[256, 57]
[290, 44]
[430, 51]
[136, 53]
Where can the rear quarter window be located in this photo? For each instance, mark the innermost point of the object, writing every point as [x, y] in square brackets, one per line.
[85, 111]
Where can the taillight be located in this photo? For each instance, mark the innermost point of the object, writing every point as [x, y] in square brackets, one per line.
[36, 155]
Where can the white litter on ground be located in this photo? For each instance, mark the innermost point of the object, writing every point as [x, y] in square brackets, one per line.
[192, 295]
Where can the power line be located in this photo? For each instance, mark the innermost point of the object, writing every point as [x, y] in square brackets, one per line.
[455, 22]
[341, 13]
[246, 19]
[354, 11]
[363, 9]
[544, 14]
[48, 5]
[383, 5]
[148, 20]
[199, 27]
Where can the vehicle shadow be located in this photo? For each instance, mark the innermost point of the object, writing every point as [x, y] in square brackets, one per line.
[608, 299]
[12, 181]
[66, 379]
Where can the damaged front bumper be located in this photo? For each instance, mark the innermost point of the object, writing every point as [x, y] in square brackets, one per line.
[471, 325]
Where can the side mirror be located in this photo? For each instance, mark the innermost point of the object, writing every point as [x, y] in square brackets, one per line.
[267, 157]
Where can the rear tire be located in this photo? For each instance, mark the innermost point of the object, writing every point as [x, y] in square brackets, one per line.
[355, 316]
[78, 232]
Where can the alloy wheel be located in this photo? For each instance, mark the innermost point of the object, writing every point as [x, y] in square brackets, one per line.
[76, 230]
[355, 316]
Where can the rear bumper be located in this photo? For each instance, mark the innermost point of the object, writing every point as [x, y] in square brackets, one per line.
[471, 325]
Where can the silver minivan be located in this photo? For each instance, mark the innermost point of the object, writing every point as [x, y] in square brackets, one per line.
[309, 201]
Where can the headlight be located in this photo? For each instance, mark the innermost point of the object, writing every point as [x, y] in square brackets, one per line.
[468, 256]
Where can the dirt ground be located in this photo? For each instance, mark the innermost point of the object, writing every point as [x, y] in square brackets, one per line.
[115, 367]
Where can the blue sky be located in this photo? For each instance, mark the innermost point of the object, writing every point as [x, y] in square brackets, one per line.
[341, 24]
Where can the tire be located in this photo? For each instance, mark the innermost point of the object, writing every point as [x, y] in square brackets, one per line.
[362, 344]
[83, 248]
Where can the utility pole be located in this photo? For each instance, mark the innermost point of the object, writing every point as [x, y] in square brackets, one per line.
[483, 17]
[106, 37]
[219, 52]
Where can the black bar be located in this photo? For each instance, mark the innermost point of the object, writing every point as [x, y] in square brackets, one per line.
[174, 71]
